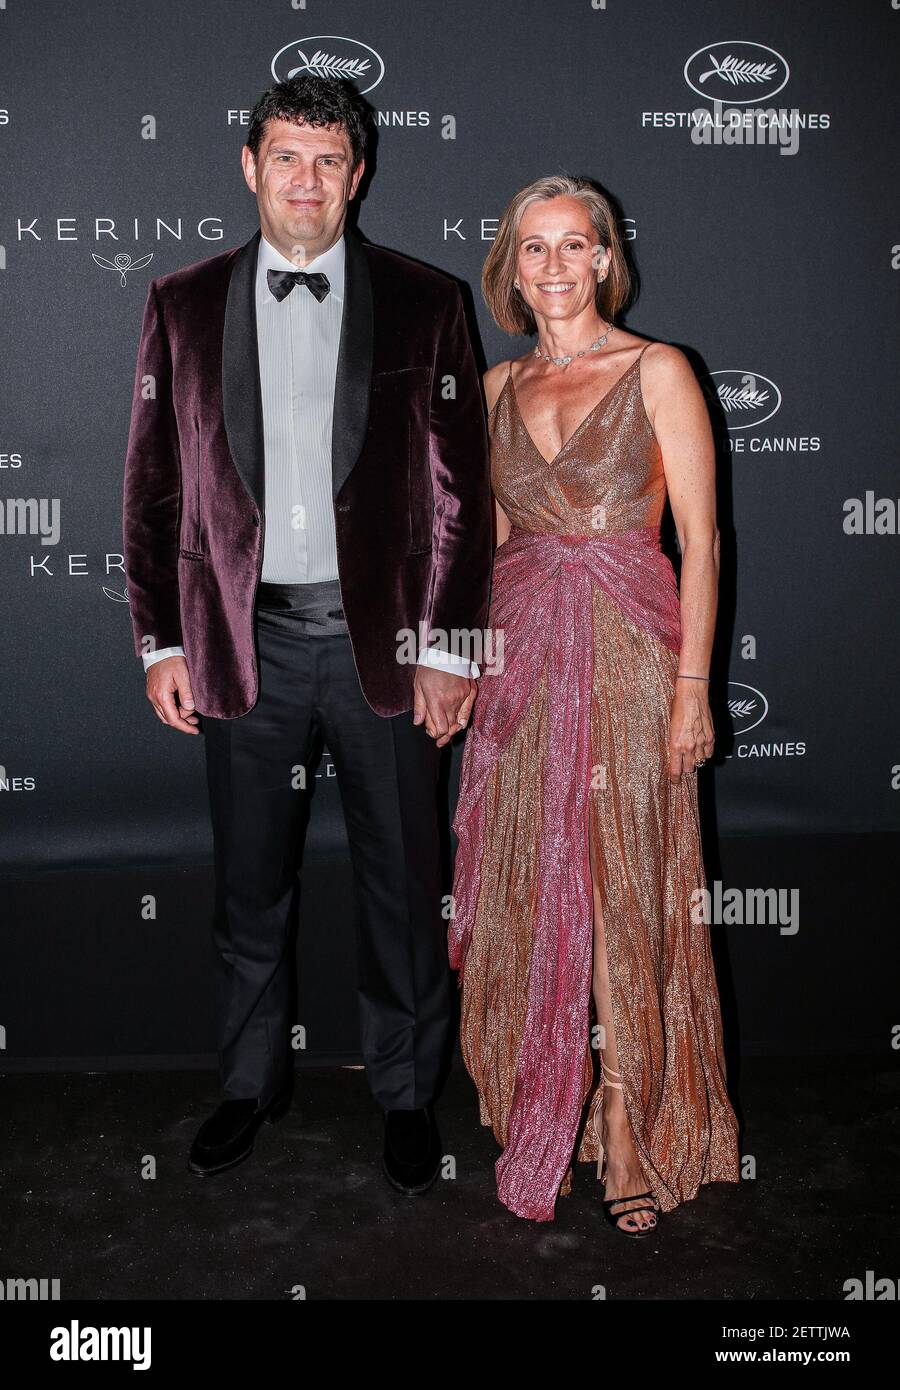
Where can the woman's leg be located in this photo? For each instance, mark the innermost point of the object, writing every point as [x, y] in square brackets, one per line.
[624, 1174]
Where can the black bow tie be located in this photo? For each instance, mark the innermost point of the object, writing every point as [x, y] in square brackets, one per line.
[281, 282]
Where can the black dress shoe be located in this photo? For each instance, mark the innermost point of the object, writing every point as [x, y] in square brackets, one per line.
[226, 1138]
[412, 1150]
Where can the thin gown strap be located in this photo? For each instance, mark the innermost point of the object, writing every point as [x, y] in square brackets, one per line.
[637, 362]
[502, 388]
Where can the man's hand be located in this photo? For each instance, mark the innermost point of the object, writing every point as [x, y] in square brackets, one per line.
[169, 692]
[441, 699]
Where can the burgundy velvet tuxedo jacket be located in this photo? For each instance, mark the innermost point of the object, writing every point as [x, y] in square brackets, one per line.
[409, 472]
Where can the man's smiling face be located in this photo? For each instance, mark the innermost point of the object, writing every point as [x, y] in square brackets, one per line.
[303, 180]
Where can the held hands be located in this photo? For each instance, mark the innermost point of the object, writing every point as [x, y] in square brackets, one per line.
[169, 692]
[691, 734]
[442, 700]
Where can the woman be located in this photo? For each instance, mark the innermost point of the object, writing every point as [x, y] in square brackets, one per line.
[579, 847]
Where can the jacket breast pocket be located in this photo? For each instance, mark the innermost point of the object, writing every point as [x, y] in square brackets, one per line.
[400, 412]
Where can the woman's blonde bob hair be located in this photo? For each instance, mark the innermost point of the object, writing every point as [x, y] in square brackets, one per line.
[508, 308]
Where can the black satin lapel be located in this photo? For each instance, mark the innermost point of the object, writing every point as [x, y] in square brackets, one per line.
[241, 392]
[354, 366]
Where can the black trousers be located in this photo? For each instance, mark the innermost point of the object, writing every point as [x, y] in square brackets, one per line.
[387, 774]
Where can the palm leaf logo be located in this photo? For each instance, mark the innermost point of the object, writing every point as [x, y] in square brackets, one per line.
[735, 72]
[115, 595]
[327, 65]
[741, 397]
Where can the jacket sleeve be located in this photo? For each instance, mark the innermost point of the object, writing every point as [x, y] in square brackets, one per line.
[462, 534]
[152, 493]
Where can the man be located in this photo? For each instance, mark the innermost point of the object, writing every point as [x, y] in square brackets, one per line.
[307, 483]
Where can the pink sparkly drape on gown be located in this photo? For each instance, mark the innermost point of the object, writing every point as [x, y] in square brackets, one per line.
[535, 723]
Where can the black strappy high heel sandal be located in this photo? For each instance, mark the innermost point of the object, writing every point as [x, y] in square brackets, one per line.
[609, 1202]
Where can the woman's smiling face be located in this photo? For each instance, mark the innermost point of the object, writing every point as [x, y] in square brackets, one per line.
[558, 258]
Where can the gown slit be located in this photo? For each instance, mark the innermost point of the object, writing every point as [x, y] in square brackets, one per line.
[592, 1124]
[598, 1087]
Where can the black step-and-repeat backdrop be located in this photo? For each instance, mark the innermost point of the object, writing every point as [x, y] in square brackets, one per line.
[750, 150]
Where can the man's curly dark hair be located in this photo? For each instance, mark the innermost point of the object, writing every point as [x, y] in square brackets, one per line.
[317, 101]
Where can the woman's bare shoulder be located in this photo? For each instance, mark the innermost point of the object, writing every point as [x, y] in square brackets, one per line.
[663, 360]
[667, 376]
[664, 368]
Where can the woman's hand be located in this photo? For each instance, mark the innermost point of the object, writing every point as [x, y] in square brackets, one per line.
[691, 733]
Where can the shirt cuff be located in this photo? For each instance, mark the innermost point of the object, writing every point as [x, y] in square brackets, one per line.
[448, 661]
[150, 657]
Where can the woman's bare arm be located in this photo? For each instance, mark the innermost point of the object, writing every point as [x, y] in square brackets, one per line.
[680, 419]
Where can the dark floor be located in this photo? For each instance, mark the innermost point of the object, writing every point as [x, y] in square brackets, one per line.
[311, 1207]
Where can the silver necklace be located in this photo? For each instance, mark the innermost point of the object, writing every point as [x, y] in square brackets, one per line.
[564, 361]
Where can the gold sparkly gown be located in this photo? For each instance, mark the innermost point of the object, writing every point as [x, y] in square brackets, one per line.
[566, 761]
